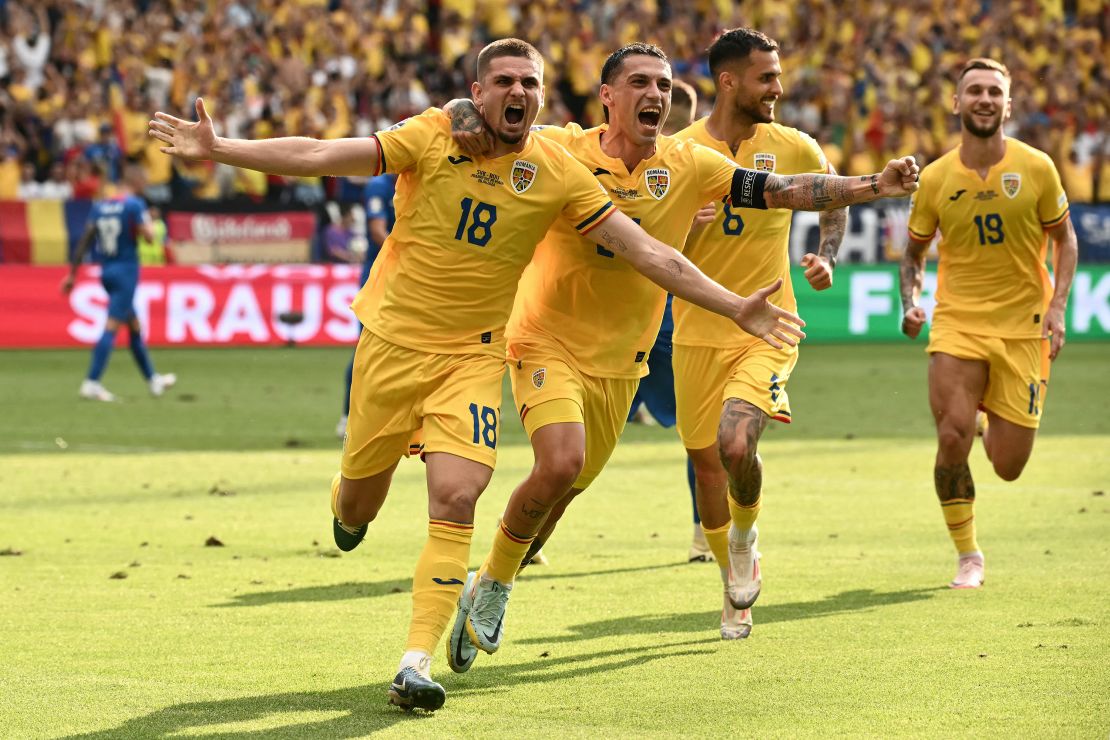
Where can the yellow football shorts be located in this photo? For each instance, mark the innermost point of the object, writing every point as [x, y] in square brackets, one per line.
[705, 377]
[1017, 382]
[404, 402]
[548, 390]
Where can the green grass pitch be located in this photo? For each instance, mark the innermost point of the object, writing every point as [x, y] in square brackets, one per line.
[116, 619]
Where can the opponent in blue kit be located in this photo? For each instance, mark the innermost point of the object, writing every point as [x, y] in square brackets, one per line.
[114, 226]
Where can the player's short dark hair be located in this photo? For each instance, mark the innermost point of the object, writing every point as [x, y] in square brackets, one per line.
[983, 63]
[507, 48]
[613, 64]
[736, 45]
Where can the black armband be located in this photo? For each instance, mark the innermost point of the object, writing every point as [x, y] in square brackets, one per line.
[747, 189]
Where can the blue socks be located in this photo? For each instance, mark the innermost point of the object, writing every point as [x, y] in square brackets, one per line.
[142, 357]
[101, 352]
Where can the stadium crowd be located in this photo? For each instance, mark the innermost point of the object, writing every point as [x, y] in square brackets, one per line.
[869, 80]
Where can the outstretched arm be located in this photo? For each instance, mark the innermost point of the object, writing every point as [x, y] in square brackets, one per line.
[667, 268]
[911, 279]
[810, 192]
[294, 156]
[1065, 253]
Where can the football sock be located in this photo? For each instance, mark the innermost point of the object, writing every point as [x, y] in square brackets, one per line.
[718, 542]
[335, 496]
[691, 482]
[142, 357]
[417, 659]
[505, 555]
[437, 582]
[101, 352]
[744, 516]
[959, 515]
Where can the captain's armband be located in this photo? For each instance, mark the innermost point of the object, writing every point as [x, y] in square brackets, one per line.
[748, 189]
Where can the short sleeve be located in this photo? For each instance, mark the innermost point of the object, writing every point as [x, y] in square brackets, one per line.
[1052, 205]
[401, 146]
[715, 172]
[923, 211]
[810, 156]
[587, 203]
[563, 135]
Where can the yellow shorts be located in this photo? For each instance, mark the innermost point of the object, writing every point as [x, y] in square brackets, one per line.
[1017, 383]
[548, 390]
[705, 377]
[404, 402]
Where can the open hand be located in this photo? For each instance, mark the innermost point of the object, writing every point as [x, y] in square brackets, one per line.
[186, 140]
[761, 318]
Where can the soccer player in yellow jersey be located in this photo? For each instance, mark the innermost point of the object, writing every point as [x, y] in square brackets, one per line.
[574, 376]
[999, 320]
[436, 302]
[727, 389]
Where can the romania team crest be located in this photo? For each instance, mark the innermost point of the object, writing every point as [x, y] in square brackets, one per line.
[538, 377]
[658, 181]
[523, 175]
[1011, 184]
[764, 162]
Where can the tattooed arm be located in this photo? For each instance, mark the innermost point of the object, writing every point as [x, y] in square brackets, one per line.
[911, 279]
[810, 192]
[669, 269]
[468, 129]
[820, 266]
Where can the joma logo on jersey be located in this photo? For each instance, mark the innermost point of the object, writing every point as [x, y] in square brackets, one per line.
[658, 181]
[523, 175]
[1011, 184]
[765, 162]
[538, 377]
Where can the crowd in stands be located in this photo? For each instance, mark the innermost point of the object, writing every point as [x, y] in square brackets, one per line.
[870, 80]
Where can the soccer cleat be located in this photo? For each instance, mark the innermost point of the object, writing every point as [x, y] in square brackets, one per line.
[94, 391]
[736, 624]
[744, 580]
[347, 538]
[981, 423]
[460, 650]
[159, 383]
[487, 614]
[700, 551]
[413, 688]
[538, 559]
[969, 573]
[341, 427]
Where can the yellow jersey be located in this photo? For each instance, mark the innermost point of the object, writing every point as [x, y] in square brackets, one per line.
[745, 249]
[576, 297]
[445, 278]
[991, 278]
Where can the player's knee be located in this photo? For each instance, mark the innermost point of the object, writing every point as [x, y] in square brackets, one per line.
[456, 503]
[1008, 470]
[561, 468]
[737, 454]
[356, 510]
[954, 441]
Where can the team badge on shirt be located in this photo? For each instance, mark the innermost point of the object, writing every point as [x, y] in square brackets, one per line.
[1011, 184]
[658, 181]
[523, 175]
[538, 377]
[764, 162]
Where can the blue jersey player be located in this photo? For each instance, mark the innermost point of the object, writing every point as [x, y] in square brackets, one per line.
[114, 227]
[377, 198]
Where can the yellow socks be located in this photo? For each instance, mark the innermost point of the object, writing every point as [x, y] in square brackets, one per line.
[335, 495]
[437, 582]
[744, 516]
[959, 515]
[718, 542]
[505, 555]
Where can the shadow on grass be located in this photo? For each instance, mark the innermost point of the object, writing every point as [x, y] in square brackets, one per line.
[845, 602]
[344, 591]
[365, 709]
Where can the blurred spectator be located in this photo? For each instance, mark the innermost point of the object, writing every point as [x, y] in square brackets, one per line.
[53, 188]
[105, 153]
[154, 251]
[338, 238]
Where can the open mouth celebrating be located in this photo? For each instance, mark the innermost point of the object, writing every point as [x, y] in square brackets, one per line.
[514, 113]
[650, 116]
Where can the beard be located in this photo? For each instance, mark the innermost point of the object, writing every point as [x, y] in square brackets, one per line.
[510, 138]
[754, 111]
[983, 132]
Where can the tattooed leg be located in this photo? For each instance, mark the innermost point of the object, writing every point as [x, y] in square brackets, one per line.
[742, 424]
[560, 451]
[953, 482]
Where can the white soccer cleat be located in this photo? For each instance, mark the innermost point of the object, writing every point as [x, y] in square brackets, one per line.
[700, 551]
[744, 579]
[94, 391]
[736, 624]
[341, 427]
[969, 573]
[981, 423]
[487, 614]
[159, 383]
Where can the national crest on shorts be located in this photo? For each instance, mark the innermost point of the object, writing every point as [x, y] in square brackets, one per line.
[523, 175]
[658, 182]
[538, 377]
[764, 162]
[1011, 184]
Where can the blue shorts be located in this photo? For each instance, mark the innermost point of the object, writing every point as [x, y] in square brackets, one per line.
[656, 390]
[120, 281]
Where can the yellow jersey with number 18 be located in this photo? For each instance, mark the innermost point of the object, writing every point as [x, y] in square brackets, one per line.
[991, 278]
[445, 279]
[745, 249]
[581, 300]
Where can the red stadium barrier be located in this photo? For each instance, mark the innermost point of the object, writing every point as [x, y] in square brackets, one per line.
[233, 305]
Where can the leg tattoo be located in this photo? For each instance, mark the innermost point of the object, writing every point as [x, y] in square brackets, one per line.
[742, 424]
[954, 482]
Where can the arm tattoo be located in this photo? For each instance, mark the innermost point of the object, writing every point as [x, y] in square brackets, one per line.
[673, 268]
[911, 274]
[465, 117]
[613, 241]
[741, 421]
[874, 180]
[808, 192]
[954, 482]
[833, 224]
